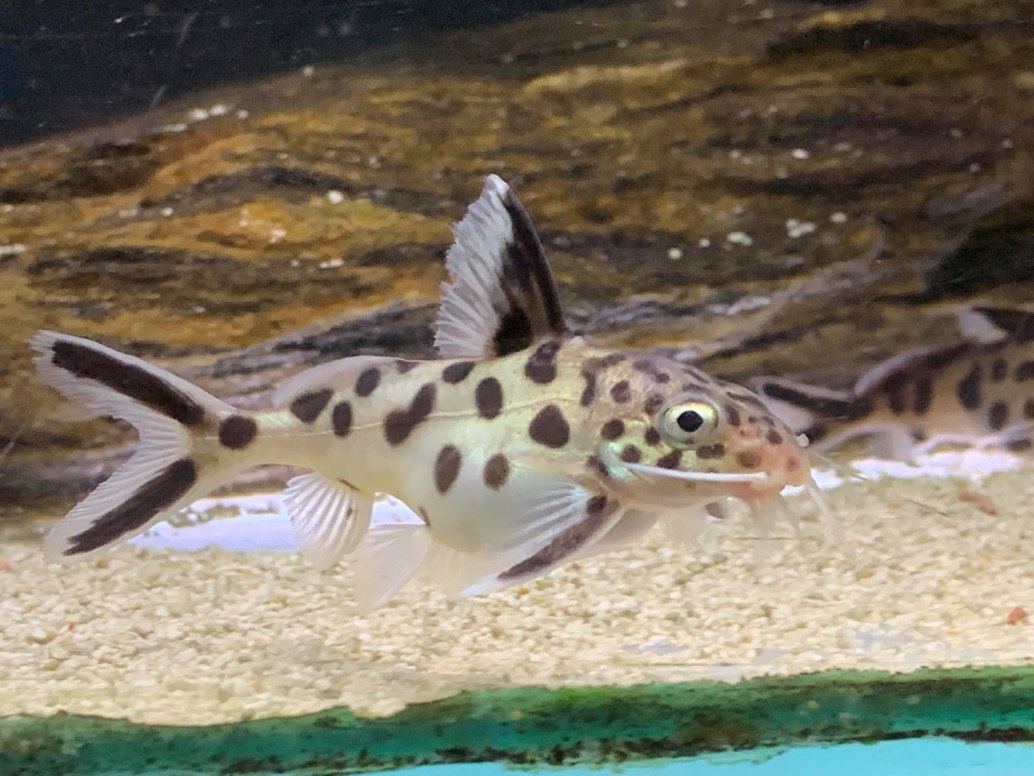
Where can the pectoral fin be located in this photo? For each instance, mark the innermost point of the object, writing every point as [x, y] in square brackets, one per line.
[570, 536]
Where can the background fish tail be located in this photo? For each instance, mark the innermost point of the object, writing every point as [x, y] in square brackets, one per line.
[190, 441]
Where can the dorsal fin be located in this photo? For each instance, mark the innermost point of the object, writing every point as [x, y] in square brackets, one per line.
[1018, 324]
[502, 297]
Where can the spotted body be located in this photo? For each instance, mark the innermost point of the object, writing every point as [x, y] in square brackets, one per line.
[980, 391]
[522, 448]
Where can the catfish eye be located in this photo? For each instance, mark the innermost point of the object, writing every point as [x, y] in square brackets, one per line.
[688, 422]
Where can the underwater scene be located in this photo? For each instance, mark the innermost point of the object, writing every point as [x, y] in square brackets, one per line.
[455, 388]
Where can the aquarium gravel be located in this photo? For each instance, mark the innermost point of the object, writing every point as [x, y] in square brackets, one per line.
[933, 572]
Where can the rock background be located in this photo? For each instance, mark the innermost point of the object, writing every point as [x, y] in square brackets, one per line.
[778, 187]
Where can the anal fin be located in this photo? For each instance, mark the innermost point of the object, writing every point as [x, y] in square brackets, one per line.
[329, 517]
[389, 556]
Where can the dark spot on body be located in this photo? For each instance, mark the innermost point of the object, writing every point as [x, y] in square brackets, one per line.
[497, 469]
[549, 427]
[1025, 371]
[653, 403]
[711, 452]
[457, 372]
[399, 424]
[631, 454]
[999, 370]
[341, 418]
[968, 390]
[308, 406]
[1019, 445]
[652, 369]
[748, 459]
[620, 392]
[1028, 409]
[612, 429]
[598, 363]
[997, 415]
[541, 366]
[403, 366]
[237, 431]
[447, 468]
[732, 415]
[489, 398]
[671, 460]
[652, 436]
[896, 386]
[596, 465]
[589, 393]
[773, 437]
[596, 505]
[368, 381]
[922, 396]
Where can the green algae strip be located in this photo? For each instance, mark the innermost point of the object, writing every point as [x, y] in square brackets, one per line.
[551, 727]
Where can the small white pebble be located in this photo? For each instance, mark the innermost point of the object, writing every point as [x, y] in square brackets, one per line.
[674, 254]
[800, 153]
[219, 109]
[308, 71]
[242, 114]
[838, 217]
[11, 249]
[335, 197]
[704, 242]
[166, 211]
[739, 238]
[198, 114]
[795, 228]
[332, 263]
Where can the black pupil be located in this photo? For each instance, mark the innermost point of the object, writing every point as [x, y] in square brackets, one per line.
[689, 421]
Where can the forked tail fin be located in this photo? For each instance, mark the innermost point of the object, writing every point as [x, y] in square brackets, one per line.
[823, 415]
[188, 440]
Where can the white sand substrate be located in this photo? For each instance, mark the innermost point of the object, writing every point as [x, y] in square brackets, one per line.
[930, 578]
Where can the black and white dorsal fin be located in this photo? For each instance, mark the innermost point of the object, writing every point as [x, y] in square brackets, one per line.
[502, 297]
[1016, 324]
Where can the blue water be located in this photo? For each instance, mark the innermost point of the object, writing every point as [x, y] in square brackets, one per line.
[914, 757]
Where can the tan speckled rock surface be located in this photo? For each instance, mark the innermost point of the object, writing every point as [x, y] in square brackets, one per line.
[765, 194]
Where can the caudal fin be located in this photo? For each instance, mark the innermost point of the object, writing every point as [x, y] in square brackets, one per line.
[173, 418]
[823, 415]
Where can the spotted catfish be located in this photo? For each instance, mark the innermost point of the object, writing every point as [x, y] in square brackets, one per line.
[980, 391]
[522, 448]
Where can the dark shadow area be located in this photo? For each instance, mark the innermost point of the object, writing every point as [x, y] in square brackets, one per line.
[67, 63]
